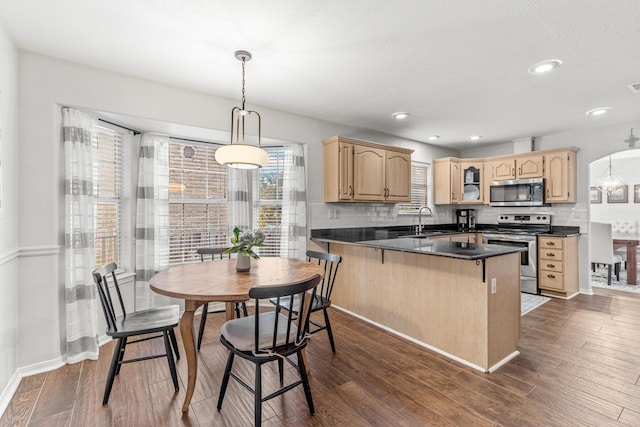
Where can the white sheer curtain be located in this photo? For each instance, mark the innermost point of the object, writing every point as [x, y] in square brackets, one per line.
[294, 203]
[80, 144]
[239, 198]
[152, 217]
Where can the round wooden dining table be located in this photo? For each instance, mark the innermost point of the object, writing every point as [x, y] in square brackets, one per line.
[199, 283]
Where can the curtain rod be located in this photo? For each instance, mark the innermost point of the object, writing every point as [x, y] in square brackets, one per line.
[135, 131]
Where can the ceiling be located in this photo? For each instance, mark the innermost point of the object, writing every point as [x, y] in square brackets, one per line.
[459, 67]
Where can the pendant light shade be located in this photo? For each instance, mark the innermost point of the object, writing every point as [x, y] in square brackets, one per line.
[241, 155]
[610, 181]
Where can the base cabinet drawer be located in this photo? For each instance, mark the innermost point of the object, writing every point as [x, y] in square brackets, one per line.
[550, 265]
[551, 254]
[551, 280]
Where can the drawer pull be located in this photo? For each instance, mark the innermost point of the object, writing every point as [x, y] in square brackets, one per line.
[551, 276]
[551, 243]
[551, 265]
[551, 254]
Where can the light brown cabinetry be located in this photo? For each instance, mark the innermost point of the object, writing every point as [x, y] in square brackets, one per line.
[458, 182]
[363, 171]
[558, 266]
[558, 167]
[446, 176]
[560, 177]
[521, 167]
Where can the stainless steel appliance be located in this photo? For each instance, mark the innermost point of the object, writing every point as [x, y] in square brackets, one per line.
[521, 230]
[517, 192]
[466, 219]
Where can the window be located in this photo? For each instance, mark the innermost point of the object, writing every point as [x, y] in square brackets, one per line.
[198, 213]
[267, 212]
[420, 185]
[107, 172]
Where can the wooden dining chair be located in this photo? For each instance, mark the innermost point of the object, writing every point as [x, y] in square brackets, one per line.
[214, 253]
[322, 301]
[268, 336]
[141, 324]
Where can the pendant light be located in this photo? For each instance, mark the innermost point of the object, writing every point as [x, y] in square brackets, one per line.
[239, 154]
[610, 181]
[632, 140]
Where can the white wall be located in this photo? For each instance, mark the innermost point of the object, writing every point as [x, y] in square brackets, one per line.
[46, 84]
[9, 248]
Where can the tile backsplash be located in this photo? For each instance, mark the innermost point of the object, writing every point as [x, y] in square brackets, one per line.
[343, 215]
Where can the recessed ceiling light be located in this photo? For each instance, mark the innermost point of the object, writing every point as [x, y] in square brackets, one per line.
[433, 137]
[400, 115]
[544, 66]
[598, 111]
[474, 138]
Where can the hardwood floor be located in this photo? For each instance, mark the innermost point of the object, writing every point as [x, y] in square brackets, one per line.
[579, 365]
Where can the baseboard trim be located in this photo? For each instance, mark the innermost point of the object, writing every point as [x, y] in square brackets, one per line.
[26, 371]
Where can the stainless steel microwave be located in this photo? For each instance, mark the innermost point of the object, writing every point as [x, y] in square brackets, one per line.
[517, 192]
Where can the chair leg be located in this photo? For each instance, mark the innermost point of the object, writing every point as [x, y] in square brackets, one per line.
[281, 370]
[174, 344]
[172, 365]
[237, 307]
[329, 332]
[115, 361]
[305, 382]
[225, 379]
[258, 396]
[593, 267]
[617, 271]
[609, 274]
[244, 309]
[203, 321]
[121, 355]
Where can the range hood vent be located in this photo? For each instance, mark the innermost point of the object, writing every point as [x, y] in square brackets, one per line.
[635, 88]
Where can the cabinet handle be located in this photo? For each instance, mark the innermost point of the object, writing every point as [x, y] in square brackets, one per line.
[351, 190]
[513, 171]
[520, 170]
[551, 276]
[548, 254]
[551, 243]
[551, 265]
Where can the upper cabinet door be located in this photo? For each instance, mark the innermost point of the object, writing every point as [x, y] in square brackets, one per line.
[369, 173]
[560, 177]
[530, 166]
[504, 169]
[398, 176]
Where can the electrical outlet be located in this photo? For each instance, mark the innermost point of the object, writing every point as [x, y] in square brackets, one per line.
[494, 286]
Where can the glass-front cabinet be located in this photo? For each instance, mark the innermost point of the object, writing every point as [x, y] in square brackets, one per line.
[472, 188]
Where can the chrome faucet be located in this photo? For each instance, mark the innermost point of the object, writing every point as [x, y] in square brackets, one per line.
[420, 217]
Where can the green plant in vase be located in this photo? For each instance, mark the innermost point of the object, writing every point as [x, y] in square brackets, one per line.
[243, 242]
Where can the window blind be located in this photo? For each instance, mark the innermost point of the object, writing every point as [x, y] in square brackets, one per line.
[268, 206]
[420, 185]
[107, 172]
[198, 213]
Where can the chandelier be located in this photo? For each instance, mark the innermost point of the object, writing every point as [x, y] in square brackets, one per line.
[239, 154]
[610, 181]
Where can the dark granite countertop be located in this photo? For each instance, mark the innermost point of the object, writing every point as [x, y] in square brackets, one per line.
[461, 250]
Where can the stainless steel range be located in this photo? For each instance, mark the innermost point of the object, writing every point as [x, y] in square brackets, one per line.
[521, 230]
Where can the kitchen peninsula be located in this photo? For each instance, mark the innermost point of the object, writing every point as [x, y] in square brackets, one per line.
[459, 299]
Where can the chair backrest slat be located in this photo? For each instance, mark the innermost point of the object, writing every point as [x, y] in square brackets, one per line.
[100, 279]
[330, 264]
